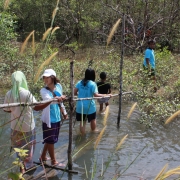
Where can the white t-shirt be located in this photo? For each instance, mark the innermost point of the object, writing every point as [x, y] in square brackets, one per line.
[24, 121]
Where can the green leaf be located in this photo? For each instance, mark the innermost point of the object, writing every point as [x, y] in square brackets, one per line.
[17, 149]
[15, 176]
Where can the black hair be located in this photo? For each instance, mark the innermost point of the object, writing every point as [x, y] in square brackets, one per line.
[55, 80]
[89, 75]
[102, 75]
[151, 41]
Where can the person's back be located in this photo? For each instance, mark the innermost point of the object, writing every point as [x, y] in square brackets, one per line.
[103, 88]
[23, 119]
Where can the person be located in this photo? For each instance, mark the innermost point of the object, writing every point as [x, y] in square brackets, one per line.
[86, 109]
[149, 61]
[22, 119]
[103, 88]
[51, 115]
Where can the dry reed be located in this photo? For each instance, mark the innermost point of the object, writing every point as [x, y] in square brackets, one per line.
[45, 63]
[25, 42]
[161, 172]
[33, 43]
[170, 172]
[113, 31]
[99, 137]
[6, 4]
[106, 116]
[172, 117]
[121, 142]
[131, 110]
[54, 30]
[57, 3]
[54, 12]
[46, 33]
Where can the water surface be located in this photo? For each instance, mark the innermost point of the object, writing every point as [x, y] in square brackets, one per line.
[142, 156]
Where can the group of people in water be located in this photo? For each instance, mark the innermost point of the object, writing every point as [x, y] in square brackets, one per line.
[23, 133]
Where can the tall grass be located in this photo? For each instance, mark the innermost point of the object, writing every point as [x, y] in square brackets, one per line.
[106, 116]
[99, 137]
[172, 117]
[46, 33]
[25, 42]
[131, 110]
[113, 30]
[45, 63]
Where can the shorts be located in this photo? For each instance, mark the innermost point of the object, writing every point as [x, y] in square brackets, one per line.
[50, 135]
[103, 100]
[90, 117]
[152, 71]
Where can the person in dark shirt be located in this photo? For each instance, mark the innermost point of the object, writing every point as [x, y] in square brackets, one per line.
[103, 88]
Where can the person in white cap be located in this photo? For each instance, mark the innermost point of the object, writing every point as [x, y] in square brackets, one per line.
[51, 115]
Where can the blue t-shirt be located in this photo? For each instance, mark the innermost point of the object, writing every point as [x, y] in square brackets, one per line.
[54, 108]
[86, 106]
[149, 53]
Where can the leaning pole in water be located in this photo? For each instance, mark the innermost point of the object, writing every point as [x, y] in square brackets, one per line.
[121, 68]
[71, 105]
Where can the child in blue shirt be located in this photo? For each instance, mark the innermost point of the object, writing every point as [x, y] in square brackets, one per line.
[86, 109]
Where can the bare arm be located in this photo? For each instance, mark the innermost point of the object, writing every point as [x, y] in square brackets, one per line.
[41, 106]
[7, 111]
[75, 91]
[101, 95]
[148, 64]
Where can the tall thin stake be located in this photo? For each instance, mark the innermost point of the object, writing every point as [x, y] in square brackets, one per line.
[121, 67]
[71, 105]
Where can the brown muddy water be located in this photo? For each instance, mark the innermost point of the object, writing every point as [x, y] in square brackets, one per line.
[142, 156]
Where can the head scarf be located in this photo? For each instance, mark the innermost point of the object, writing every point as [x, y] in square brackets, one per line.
[18, 82]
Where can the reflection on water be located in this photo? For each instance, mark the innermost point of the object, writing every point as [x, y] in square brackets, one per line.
[142, 156]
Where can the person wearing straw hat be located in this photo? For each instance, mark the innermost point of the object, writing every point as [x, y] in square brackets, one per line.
[22, 119]
[86, 109]
[51, 115]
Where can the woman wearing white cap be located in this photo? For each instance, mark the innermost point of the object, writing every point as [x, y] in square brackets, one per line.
[51, 115]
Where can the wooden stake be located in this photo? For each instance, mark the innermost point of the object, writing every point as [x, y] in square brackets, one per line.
[121, 68]
[71, 104]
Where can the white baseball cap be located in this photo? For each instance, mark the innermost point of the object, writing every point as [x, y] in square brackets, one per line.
[49, 72]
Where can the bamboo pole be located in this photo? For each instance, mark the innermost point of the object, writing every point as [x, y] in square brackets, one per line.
[121, 68]
[55, 167]
[55, 101]
[71, 104]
